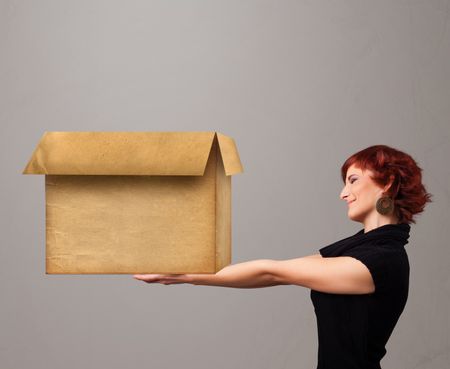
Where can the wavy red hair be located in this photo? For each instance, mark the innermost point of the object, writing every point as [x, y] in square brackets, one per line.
[390, 165]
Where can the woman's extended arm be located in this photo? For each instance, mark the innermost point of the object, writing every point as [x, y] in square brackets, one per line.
[342, 274]
[250, 274]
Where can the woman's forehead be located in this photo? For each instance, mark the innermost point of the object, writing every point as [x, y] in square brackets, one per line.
[353, 169]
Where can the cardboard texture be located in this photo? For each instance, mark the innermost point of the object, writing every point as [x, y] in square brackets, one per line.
[136, 202]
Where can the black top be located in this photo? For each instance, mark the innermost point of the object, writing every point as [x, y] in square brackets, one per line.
[354, 329]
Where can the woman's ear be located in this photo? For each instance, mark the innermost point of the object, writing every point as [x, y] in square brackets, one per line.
[388, 186]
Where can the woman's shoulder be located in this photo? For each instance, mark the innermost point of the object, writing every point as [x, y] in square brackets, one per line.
[380, 250]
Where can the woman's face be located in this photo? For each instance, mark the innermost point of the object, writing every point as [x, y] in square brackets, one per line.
[360, 193]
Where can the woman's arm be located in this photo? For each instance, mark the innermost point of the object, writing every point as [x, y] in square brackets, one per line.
[250, 274]
[343, 274]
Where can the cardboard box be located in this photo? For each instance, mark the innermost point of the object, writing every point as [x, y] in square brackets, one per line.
[136, 202]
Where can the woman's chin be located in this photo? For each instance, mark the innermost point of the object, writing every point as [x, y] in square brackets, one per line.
[353, 216]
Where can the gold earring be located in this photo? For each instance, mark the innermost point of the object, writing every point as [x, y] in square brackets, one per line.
[385, 205]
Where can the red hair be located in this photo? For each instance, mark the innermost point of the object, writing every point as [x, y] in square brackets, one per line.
[389, 164]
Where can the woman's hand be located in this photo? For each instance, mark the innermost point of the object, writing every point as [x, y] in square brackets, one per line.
[164, 278]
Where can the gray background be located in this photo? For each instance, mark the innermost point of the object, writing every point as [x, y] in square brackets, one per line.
[300, 86]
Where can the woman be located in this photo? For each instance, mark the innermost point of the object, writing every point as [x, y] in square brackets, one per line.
[359, 285]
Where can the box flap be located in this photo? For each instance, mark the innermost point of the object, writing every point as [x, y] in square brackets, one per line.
[129, 153]
[230, 156]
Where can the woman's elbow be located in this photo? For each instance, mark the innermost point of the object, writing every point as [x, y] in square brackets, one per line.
[274, 271]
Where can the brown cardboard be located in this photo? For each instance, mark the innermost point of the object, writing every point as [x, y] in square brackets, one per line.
[136, 202]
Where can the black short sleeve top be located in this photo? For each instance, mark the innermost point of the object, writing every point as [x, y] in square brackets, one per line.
[353, 329]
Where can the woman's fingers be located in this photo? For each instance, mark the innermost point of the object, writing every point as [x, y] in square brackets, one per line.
[161, 278]
[147, 277]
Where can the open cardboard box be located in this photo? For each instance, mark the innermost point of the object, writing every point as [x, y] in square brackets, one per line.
[136, 202]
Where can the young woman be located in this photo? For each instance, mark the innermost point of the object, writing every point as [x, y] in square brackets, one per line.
[359, 284]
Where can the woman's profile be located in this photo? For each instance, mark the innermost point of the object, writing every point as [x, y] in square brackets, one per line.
[359, 284]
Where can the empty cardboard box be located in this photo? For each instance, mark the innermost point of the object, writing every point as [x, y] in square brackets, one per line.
[136, 202]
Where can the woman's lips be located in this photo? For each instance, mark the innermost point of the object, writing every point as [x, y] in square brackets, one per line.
[351, 202]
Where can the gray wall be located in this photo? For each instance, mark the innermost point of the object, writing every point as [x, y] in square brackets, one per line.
[300, 86]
